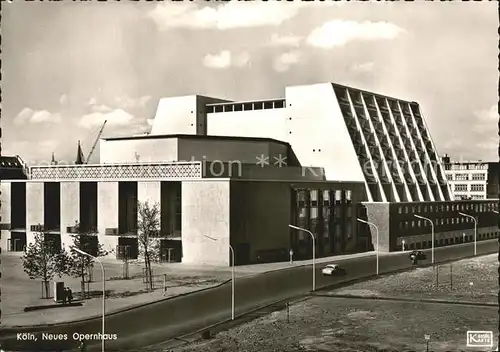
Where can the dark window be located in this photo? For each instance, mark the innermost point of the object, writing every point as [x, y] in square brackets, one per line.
[52, 206]
[88, 207]
[18, 205]
[127, 207]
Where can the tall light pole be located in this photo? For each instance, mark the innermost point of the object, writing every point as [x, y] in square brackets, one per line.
[314, 251]
[432, 233]
[475, 230]
[376, 229]
[103, 289]
[232, 276]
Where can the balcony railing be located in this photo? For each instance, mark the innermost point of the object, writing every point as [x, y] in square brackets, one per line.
[111, 231]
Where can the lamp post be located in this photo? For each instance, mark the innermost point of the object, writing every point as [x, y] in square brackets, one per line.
[103, 290]
[475, 230]
[376, 229]
[432, 234]
[232, 276]
[314, 251]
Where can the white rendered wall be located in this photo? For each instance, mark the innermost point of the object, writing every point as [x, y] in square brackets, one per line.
[318, 134]
[34, 208]
[147, 149]
[253, 123]
[205, 211]
[311, 122]
[70, 210]
[5, 209]
[107, 210]
[177, 115]
[149, 192]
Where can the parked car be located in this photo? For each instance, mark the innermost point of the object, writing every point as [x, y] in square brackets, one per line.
[417, 255]
[333, 270]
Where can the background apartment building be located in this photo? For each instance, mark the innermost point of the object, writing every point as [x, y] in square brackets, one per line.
[472, 179]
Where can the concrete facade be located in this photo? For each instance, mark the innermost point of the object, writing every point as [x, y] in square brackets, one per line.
[34, 207]
[137, 150]
[149, 192]
[70, 210]
[205, 212]
[397, 223]
[107, 208]
[260, 215]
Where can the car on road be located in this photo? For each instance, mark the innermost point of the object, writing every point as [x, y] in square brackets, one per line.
[417, 255]
[333, 270]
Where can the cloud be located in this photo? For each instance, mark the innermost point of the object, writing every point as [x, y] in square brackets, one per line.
[63, 99]
[28, 115]
[132, 103]
[486, 119]
[489, 115]
[338, 33]
[101, 108]
[286, 40]
[224, 59]
[121, 102]
[234, 14]
[117, 117]
[363, 67]
[283, 62]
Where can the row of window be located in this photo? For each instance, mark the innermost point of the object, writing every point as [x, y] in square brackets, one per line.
[404, 225]
[259, 105]
[478, 208]
[479, 166]
[463, 187]
[410, 245]
[465, 177]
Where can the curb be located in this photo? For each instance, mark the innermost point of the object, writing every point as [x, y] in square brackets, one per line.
[413, 300]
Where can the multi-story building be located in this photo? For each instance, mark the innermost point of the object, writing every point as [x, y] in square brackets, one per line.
[238, 173]
[472, 179]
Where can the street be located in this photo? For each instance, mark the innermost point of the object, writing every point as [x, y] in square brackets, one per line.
[161, 321]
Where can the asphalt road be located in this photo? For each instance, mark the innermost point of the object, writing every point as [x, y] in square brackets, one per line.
[160, 321]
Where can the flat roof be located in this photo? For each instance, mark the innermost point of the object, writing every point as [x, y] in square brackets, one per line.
[372, 93]
[198, 137]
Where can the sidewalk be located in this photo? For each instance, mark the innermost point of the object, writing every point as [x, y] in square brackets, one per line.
[18, 291]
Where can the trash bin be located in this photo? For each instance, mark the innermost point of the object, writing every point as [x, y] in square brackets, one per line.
[58, 291]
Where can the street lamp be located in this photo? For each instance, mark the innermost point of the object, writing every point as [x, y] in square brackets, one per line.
[432, 229]
[314, 251]
[475, 230]
[376, 229]
[103, 289]
[232, 276]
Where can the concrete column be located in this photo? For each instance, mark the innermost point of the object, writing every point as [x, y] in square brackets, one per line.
[5, 211]
[149, 192]
[107, 210]
[70, 210]
[205, 211]
[34, 208]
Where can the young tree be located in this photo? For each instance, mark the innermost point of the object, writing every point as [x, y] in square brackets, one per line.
[88, 242]
[148, 230]
[42, 260]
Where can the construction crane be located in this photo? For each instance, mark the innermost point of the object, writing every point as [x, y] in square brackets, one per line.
[95, 143]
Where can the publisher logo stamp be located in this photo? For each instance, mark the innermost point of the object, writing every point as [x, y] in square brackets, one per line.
[479, 338]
